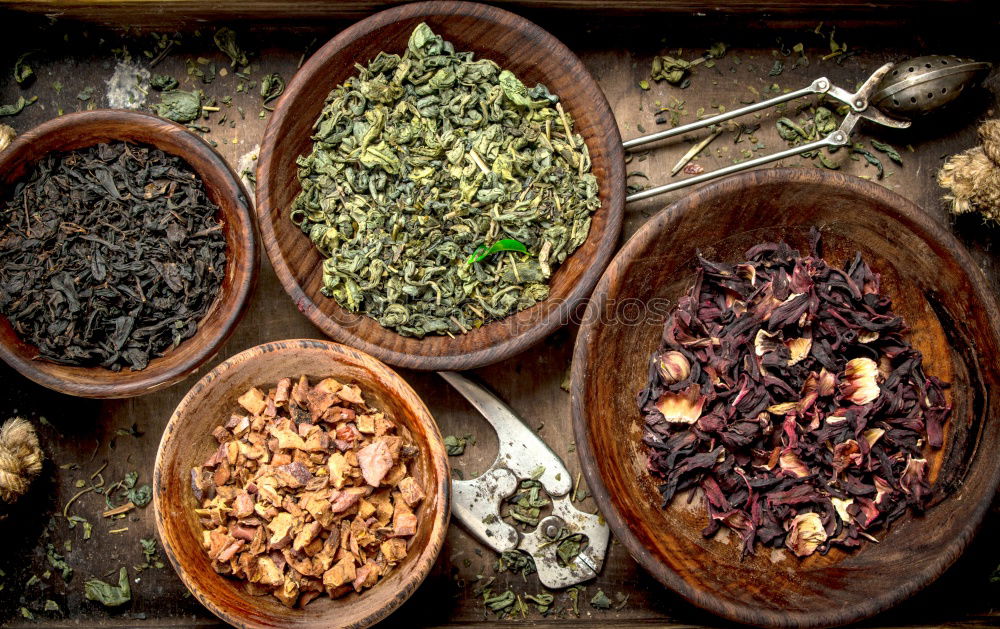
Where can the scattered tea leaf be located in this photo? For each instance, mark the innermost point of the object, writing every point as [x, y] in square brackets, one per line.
[16, 108]
[23, 73]
[106, 594]
[163, 82]
[58, 562]
[179, 106]
[225, 39]
[600, 600]
[888, 150]
[454, 446]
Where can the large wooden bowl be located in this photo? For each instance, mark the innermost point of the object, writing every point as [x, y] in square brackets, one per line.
[514, 43]
[933, 283]
[187, 441]
[84, 129]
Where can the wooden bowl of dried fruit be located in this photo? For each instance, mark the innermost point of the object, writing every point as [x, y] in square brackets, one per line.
[786, 416]
[301, 484]
[128, 251]
[419, 208]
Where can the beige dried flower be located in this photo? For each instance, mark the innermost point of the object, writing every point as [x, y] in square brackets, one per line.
[972, 178]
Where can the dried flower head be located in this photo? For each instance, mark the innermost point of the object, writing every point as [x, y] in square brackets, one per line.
[673, 367]
[805, 534]
[860, 385]
[684, 407]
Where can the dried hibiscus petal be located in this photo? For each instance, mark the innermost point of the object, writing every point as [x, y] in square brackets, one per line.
[788, 392]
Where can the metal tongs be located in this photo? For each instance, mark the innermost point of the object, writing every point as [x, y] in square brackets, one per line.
[914, 87]
[476, 502]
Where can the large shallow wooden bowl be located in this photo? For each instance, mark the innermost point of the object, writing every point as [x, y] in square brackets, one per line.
[187, 442]
[933, 283]
[84, 129]
[514, 43]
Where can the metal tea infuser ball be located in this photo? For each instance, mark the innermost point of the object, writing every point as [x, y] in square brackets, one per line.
[892, 96]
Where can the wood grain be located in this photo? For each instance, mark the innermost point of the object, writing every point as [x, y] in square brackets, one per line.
[188, 442]
[182, 13]
[84, 129]
[618, 54]
[934, 285]
[515, 44]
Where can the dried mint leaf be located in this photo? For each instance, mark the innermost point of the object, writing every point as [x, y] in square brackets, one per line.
[454, 446]
[58, 562]
[600, 600]
[106, 594]
[22, 71]
[13, 110]
[163, 82]
[179, 106]
[140, 496]
[225, 39]
[888, 150]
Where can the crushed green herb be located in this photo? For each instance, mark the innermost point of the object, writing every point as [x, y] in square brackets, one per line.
[179, 106]
[23, 73]
[225, 39]
[16, 108]
[106, 594]
[600, 600]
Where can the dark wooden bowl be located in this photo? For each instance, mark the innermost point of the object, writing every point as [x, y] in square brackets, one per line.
[933, 283]
[514, 43]
[80, 130]
[187, 441]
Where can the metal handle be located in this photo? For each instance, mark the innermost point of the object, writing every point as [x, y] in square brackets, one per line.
[819, 86]
[837, 138]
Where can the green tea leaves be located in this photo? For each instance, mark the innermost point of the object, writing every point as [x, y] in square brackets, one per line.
[507, 244]
[892, 153]
[426, 164]
[106, 594]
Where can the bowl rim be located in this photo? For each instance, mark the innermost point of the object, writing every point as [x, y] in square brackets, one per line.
[245, 277]
[438, 459]
[900, 209]
[510, 344]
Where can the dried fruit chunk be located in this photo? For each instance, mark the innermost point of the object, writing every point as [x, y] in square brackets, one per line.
[307, 494]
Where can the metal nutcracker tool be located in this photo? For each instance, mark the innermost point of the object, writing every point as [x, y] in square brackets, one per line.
[522, 454]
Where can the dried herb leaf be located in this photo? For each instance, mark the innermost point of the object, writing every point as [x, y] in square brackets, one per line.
[600, 600]
[58, 562]
[225, 39]
[271, 87]
[179, 106]
[888, 150]
[140, 495]
[22, 71]
[13, 110]
[454, 446]
[106, 594]
[163, 82]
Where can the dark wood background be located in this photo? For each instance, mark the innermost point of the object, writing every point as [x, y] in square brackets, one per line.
[74, 47]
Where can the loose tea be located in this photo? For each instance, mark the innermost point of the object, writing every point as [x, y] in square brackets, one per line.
[309, 491]
[788, 392]
[421, 161]
[109, 255]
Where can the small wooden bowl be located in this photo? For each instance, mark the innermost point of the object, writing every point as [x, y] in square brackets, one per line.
[187, 441]
[514, 43]
[83, 129]
[933, 283]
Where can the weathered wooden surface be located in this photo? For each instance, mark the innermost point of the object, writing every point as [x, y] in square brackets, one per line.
[618, 53]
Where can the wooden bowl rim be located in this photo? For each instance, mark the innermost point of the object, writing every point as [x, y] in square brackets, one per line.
[902, 210]
[510, 345]
[243, 284]
[348, 355]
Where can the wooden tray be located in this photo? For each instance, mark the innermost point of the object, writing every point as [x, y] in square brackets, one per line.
[618, 50]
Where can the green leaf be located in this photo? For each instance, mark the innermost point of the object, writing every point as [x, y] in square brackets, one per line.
[22, 71]
[888, 150]
[13, 110]
[507, 244]
[107, 594]
[600, 600]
